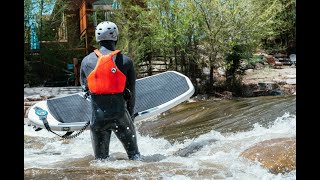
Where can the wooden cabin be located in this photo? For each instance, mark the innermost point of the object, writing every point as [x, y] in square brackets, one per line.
[83, 15]
[71, 26]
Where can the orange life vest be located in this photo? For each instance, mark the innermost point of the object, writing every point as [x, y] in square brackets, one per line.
[106, 78]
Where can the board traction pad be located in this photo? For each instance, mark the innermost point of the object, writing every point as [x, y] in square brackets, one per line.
[151, 92]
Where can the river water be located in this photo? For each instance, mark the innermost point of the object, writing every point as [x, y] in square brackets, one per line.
[194, 140]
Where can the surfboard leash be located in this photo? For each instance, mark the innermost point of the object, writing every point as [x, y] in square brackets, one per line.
[68, 136]
[43, 117]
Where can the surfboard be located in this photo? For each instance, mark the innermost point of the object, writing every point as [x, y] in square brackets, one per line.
[154, 94]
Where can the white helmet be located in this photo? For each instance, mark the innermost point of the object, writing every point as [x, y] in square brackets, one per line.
[106, 31]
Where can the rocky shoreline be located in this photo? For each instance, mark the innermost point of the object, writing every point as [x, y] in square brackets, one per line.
[281, 81]
[263, 80]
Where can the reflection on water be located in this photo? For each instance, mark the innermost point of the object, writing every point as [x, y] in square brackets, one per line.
[195, 140]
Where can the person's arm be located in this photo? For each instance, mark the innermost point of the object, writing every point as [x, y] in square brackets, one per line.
[131, 85]
[83, 77]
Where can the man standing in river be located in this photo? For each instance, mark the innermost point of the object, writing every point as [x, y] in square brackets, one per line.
[112, 96]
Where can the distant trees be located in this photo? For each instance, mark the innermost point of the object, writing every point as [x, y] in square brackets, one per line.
[36, 12]
[54, 39]
[194, 34]
[284, 29]
[204, 33]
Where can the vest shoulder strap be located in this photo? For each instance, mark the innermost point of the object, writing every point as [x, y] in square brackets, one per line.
[114, 52]
[98, 53]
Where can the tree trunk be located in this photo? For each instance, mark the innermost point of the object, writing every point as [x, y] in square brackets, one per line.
[175, 59]
[210, 75]
[183, 62]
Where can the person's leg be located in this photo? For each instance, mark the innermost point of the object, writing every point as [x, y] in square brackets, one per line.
[100, 134]
[126, 133]
[100, 143]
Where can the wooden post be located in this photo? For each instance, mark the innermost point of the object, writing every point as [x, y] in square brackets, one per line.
[76, 70]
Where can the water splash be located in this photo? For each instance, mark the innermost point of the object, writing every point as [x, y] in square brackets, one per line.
[212, 155]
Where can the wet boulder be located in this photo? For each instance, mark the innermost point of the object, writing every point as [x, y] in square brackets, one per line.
[277, 155]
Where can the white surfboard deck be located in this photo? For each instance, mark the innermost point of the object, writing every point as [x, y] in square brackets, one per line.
[154, 94]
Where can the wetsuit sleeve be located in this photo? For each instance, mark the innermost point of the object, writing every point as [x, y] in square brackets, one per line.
[83, 77]
[131, 85]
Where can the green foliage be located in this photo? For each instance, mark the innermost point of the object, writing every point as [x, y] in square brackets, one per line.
[201, 33]
[55, 53]
[284, 28]
[35, 11]
[252, 61]
[205, 32]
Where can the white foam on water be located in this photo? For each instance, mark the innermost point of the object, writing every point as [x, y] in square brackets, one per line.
[220, 152]
[226, 150]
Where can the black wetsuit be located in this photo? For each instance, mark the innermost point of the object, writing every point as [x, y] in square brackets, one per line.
[111, 112]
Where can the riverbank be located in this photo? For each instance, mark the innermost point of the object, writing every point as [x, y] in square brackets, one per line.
[263, 80]
[269, 79]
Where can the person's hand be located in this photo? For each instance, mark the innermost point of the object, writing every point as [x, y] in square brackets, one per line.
[132, 118]
[127, 94]
[86, 94]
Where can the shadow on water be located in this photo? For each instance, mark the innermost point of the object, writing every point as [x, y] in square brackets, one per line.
[192, 119]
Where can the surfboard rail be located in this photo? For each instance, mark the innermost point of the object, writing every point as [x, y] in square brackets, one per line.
[154, 95]
[170, 104]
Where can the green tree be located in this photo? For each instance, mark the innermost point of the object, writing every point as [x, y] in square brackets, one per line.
[226, 24]
[56, 38]
[284, 36]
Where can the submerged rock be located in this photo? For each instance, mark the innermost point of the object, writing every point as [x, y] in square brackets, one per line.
[277, 155]
[193, 147]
